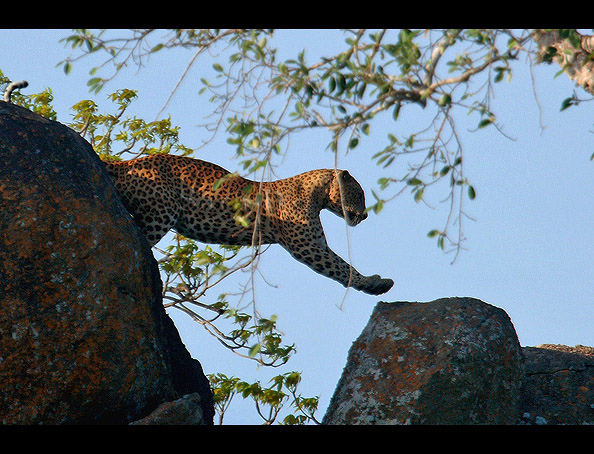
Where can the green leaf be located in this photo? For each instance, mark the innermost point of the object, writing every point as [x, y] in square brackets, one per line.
[242, 221]
[567, 102]
[499, 73]
[341, 81]
[217, 184]
[471, 193]
[93, 81]
[383, 182]
[561, 71]
[331, 84]
[486, 122]
[254, 350]
[396, 111]
[444, 100]
[361, 90]
[217, 67]
[433, 233]
[353, 143]
[378, 206]
[67, 67]
[410, 141]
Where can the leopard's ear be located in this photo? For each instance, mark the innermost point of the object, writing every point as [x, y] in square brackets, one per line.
[343, 175]
[346, 176]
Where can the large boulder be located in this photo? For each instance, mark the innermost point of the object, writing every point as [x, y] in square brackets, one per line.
[450, 361]
[558, 386]
[84, 337]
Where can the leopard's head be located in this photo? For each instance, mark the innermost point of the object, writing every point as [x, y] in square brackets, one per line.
[346, 192]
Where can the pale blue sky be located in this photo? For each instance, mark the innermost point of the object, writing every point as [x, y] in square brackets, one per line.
[529, 251]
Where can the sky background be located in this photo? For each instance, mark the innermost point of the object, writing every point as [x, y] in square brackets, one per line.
[528, 251]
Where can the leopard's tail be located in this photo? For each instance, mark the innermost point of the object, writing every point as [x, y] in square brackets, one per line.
[13, 86]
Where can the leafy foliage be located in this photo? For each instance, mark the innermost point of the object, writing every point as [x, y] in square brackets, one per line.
[39, 103]
[190, 271]
[262, 100]
[135, 135]
[269, 401]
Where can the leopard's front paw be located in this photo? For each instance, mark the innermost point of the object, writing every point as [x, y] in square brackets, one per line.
[376, 285]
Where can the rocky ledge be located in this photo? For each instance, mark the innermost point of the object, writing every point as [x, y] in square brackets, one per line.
[458, 361]
[84, 337]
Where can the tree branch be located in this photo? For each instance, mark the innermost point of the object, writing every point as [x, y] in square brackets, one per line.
[576, 61]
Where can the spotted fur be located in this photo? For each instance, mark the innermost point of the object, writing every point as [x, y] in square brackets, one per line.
[166, 192]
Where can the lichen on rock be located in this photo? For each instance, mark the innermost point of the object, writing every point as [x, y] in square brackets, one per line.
[449, 361]
[84, 337]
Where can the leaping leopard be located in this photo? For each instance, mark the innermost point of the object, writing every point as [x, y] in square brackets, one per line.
[165, 192]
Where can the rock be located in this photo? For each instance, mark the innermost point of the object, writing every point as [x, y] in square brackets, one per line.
[558, 386]
[84, 337]
[450, 361]
[186, 410]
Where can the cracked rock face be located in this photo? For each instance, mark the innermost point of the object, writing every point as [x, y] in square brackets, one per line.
[449, 361]
[558, 387]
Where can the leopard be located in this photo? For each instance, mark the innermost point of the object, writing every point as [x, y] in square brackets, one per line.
[201, 200]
